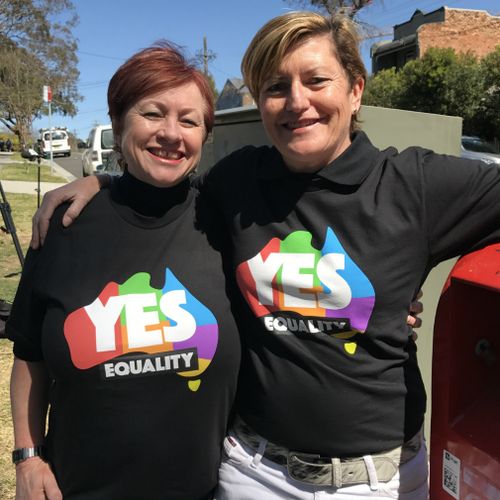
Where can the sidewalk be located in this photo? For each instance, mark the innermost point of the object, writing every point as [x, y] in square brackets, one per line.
[30, 187]
[25, 187]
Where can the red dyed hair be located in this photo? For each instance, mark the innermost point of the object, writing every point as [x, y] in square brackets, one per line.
[152, 70]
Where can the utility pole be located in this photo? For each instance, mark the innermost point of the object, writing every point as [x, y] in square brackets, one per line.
[205, 56]
[201, 60]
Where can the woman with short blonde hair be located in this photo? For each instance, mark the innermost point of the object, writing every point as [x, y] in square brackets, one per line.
[269, 46]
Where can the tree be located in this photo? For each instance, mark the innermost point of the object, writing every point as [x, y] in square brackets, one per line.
[487, 120]
[20, 84]
[346, 7]
[441, 82]
[383, 89]
[211, 81]
[349, 8]
[446, 83]
[36, 48]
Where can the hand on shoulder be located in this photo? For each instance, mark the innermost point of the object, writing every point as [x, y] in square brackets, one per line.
[78, 193]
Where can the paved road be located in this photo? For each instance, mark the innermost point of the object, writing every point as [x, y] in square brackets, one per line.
[73, 164]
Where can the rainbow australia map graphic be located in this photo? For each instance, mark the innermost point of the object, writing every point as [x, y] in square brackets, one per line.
[296, 289]
[132, 329]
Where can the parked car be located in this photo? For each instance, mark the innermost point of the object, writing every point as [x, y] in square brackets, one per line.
[99, 147]
[111, 165]
[60, 142]
[476, 148]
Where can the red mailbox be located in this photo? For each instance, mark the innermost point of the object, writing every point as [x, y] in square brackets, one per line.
[465, 428]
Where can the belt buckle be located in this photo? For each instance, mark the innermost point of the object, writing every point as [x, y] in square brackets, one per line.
[313, 469]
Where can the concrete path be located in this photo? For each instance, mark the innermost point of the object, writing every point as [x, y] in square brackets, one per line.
[24, 187]
[29, 187]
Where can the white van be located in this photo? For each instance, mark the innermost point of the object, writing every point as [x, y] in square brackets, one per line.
[99, 147]
[60, 143]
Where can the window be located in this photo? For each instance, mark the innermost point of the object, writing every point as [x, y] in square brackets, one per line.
[478, 145]
[57, 135]
[107, 140]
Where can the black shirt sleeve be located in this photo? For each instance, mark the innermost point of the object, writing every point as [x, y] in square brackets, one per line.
[25, 321]
[462, 204]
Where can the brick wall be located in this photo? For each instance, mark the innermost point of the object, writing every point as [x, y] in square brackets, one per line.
[462, 30]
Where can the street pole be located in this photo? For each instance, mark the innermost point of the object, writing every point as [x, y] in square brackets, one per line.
[38, 184]
[47, 97]
[205, 56]
[50, 139]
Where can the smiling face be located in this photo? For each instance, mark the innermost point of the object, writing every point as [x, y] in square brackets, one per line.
[162, 135]
[306, 107]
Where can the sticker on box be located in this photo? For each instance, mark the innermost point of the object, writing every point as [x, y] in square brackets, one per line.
[451, 474]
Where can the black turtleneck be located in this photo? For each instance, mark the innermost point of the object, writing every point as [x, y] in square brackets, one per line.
[95, 304]
[144, 203]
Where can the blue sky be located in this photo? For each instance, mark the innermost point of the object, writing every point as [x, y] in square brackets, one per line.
[110, 31]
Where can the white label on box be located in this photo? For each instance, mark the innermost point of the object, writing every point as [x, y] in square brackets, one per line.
[451, 474]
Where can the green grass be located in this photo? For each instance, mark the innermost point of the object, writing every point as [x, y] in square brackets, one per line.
[22, 207]
[28, 171]
[7, 471]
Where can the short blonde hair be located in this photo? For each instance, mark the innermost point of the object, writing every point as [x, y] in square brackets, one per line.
[271, 43]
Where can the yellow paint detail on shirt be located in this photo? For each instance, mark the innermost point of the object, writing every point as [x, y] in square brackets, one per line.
[350, 347]
[194, 385]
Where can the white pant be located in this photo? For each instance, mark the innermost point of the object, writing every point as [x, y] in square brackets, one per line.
[245, 475]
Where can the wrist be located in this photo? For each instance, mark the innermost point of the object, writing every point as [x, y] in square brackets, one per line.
[20, 455]
[29, 464]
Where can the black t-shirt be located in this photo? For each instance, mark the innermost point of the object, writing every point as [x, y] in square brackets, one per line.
[328, 264]
[130, 314]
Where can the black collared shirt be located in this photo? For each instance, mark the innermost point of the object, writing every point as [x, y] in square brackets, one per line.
[328, 264]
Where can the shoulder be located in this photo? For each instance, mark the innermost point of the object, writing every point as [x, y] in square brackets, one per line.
[418, 160]
[433, 163]
[440, 175]
[93, 210]
[419, 156]
[409, 157]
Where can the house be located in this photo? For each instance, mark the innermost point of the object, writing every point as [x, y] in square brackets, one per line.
[235, 94]
[461, 29]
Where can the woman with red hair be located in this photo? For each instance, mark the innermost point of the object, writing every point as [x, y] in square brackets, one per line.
[113, 324]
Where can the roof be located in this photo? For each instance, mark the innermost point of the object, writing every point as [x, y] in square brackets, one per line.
[394, 45]
[237, 82]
